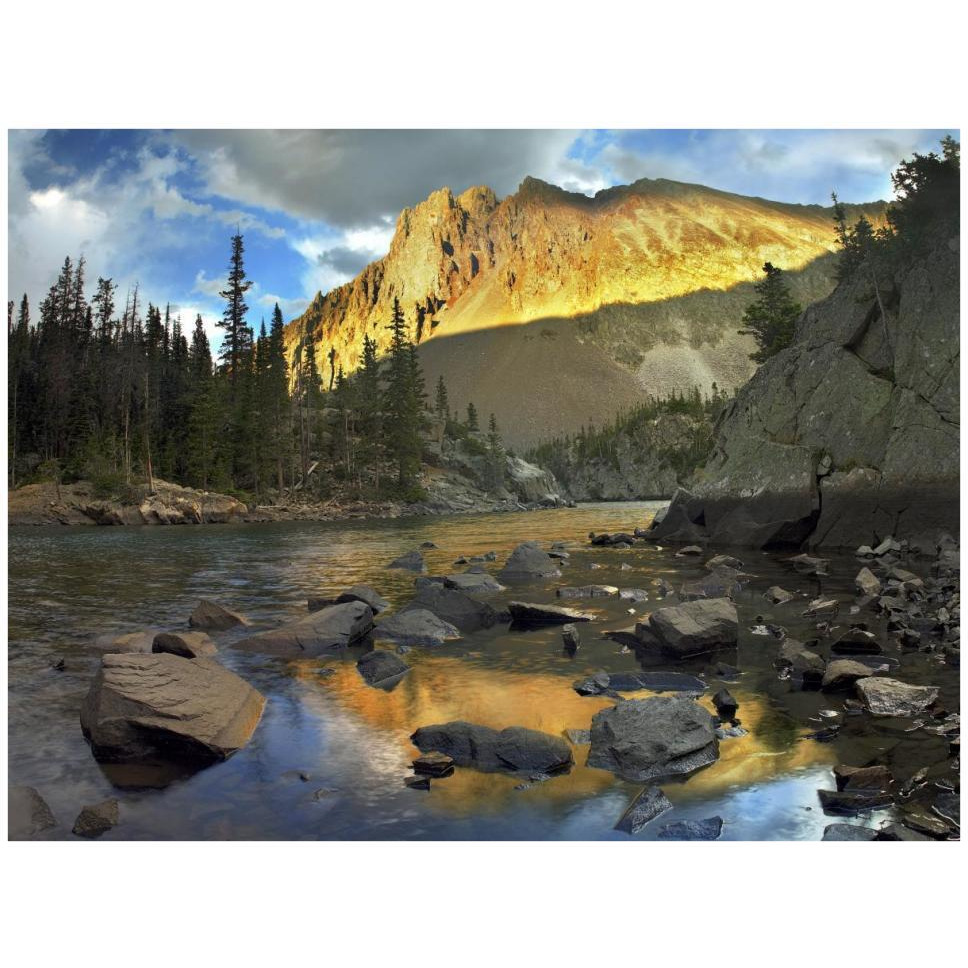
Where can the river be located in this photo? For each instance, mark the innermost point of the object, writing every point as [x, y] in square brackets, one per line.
[350, 741]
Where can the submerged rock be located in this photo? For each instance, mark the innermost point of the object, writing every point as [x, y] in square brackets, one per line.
[842, 674]
[889, 697]
[533, 614]
[189, 645]
[434, 764]
[587, 591]
[848, 831]
[489, 750]
[800, 663]
[27, 813]
[416, 626]
[642, 739]
[778, 596]
[411, 561]
[212, 617]
[529, 561]
[853, 802]
[161, 705]
[460, 610]
[97, 819]
[336, 627]
[648, 805]
[709, 829]
[725, 704]
[570, 638]
[379, 667]
[694, 628]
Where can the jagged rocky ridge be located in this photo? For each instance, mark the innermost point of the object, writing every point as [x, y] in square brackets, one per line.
[852, 433]
[552, 309]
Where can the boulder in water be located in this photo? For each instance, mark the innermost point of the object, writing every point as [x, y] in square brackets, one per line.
[189, 645]
[489, 750]
[648, 805]
[533, 614]
[164, 706]
[27, 813]
[411, 561]
[416, 626]
[336, 627]
[708, 829]
[460, 610]
[97, 819]
[693, 628]
[380, 668]
[529, 561]
[364, 593]
[642, 739]
[473, 581]
[212, 617]
[889, 697]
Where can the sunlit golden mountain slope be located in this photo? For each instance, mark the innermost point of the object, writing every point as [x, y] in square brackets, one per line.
[641, 287]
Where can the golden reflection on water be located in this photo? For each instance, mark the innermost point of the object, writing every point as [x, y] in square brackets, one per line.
[440, 689]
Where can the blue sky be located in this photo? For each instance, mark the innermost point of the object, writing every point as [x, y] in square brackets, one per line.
[158, 207]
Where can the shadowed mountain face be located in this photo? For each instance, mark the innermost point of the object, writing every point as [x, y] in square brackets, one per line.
[554, 309]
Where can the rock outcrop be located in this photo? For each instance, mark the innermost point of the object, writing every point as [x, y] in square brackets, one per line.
[329, 629]
[851, 433]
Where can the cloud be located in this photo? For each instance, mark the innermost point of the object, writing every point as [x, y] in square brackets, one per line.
[353, 179]
[208, 287]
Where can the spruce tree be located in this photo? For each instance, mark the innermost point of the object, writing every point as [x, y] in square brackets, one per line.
[770, 320]
[404, 401]
[441, 403]
[472, 423]
[233, 316]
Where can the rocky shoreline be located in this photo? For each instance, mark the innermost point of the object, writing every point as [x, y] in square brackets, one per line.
[164, 697]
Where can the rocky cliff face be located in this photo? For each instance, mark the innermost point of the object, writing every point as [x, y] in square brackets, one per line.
[553, 309]
[852, 433]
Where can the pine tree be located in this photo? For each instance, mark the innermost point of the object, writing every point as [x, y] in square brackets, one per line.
[770, 320]
[472, 417]
[233, 316]
[277, 397]
[369, 402]
[203, 419]
[441, 403]
[495, 455]
[404, 401]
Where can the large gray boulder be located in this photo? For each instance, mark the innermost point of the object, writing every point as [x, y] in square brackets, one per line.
[648, 805]
[411, 561]
[460, 610]
[161, 705]
[417, 626]
[140, 641]
[642, 739]
[489, 750]
[27, 813]
[473, 581]
[333, 628]
[694, 628]
[364, 593]
[889, 697]
[189, 645]
[529, 561]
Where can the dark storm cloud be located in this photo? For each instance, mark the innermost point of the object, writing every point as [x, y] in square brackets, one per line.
[353, 178]
[346, 261]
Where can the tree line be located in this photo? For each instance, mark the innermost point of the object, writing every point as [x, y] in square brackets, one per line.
[121, 395]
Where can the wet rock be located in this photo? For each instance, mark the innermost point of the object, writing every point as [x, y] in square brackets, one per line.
[822, 608]
[471, 582]
[533, 614]
[850, 803]
[857, 641]
[947, 805]
[724, 561]
[841, 674]
[209, 616]
[570, 638]
[897, 831]
[694, 628]
[364, 593]
[642, 739]
[97, 819]
[709, 829]
[380, 668]
[587, 591]
[800, 663]
[336, 627]
[633, 594]
[189, 645]
[426, 545]
[889, 697]
[887, 546]
[924, 823]
[778, 596]
[27, 813]
[417, 782]
[809, 565]
[529, 561]
[725, 704]
[489, 750]
[453, 606]
[416, 627]
[648, 805]
[132, 642]
[594, 685]
[579, 737]
[411, 561]
[690, 551]
[731, 732]
[317, 604]
[434, 764]
[848, 831]
[867, 582]
[722, 670]
[855, 778]
[164, 706]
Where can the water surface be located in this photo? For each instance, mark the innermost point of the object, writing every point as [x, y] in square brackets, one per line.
[68, 585]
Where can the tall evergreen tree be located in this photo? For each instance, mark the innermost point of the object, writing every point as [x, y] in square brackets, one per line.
[771, 318]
